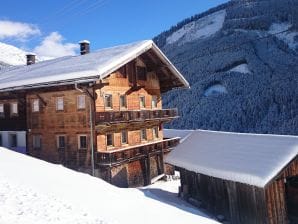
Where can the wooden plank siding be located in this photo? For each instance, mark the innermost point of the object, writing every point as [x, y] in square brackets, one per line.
[237, 202]
[13, 122]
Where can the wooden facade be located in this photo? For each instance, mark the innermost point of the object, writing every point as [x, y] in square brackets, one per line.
[242, 203]
[121, 116]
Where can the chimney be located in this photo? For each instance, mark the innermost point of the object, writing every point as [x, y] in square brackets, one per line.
[84, 47]
[30, 58]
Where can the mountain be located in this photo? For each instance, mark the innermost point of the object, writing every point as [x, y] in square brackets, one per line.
[241, 59]
[10, 55]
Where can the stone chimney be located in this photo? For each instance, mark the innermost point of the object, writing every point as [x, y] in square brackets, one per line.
[30, 58]
[84, 47]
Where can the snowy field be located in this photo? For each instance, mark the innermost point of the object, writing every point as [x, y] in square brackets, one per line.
[34, 191]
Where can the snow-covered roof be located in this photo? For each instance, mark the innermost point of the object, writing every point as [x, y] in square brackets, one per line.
[252, 159]
[81, 68]
[173, 133]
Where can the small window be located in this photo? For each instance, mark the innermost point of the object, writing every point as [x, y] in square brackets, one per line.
[61, 142]
[59, 103]
[124, 137]
[14, 108]
[81, 102]
[123, 102]
[141, 73]
[108, 101]
[36, 141]
[154, 102]
[1, 110]
[82, 144]
[143, 134]
[13, 141]
[35, 105]
[155, 132]
[142, 102]
[110, 141]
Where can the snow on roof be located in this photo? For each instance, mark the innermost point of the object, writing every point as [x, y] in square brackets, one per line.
[252, 159]
[92, 66]
[173, 133]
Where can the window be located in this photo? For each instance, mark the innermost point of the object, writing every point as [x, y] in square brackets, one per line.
[13, 142]
[59, 103]
[141, 73]
[81, 102]
[1, 110]
[61, 142]
[36, 141]
[110, 141]
[155, 132]
[123, 102]
[108, 101]
[14, 108]
[35, 105]
[82, 144]
[143, 135]
[124, 137]
[154, 102]
[142, 102]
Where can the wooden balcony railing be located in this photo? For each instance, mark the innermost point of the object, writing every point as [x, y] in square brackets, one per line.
[129, 116]
[115, 157]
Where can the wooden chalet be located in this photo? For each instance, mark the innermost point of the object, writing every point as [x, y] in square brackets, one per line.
[98, 112]
[240, 178]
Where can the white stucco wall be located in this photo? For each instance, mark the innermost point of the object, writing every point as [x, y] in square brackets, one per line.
[21, 140]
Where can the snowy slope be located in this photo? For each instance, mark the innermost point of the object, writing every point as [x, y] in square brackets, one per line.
[11, 55]
[201, 28]
[34, 191]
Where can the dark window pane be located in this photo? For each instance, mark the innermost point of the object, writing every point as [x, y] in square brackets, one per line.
[141, 73]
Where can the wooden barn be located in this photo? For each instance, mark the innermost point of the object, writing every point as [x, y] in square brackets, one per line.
[98, 112]
[240, 178]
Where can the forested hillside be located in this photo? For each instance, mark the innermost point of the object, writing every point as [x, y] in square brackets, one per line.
[241, 59]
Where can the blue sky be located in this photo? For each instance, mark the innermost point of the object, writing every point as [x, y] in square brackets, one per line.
[37, 25]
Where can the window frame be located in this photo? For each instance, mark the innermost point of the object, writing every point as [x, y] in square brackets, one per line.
[57, 103]
[143, 131]
[112, 138]
[58, 141]
[79, 142]
[155, 132]
[2, 114]
[124, 101]
[154, 103]
[34, 106]
[13, 136]
[82, 96]
[12, 113]
[111, 101]
[34, 137]
[140, 101]
[125, 132]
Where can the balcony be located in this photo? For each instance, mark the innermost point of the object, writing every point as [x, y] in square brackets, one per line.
[111, 117]
[120, 156]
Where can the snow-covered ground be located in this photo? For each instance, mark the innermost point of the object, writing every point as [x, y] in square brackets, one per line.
[215, 90]
[34, 191]
[243, 68]
[200, 28]
[287, 37]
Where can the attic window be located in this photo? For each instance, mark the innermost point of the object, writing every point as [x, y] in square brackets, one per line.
[35, 105]
[141, 73]
[14, 108]
[1, 110]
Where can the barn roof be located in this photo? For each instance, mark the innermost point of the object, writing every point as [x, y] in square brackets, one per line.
[252, 159]
[92, 66]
